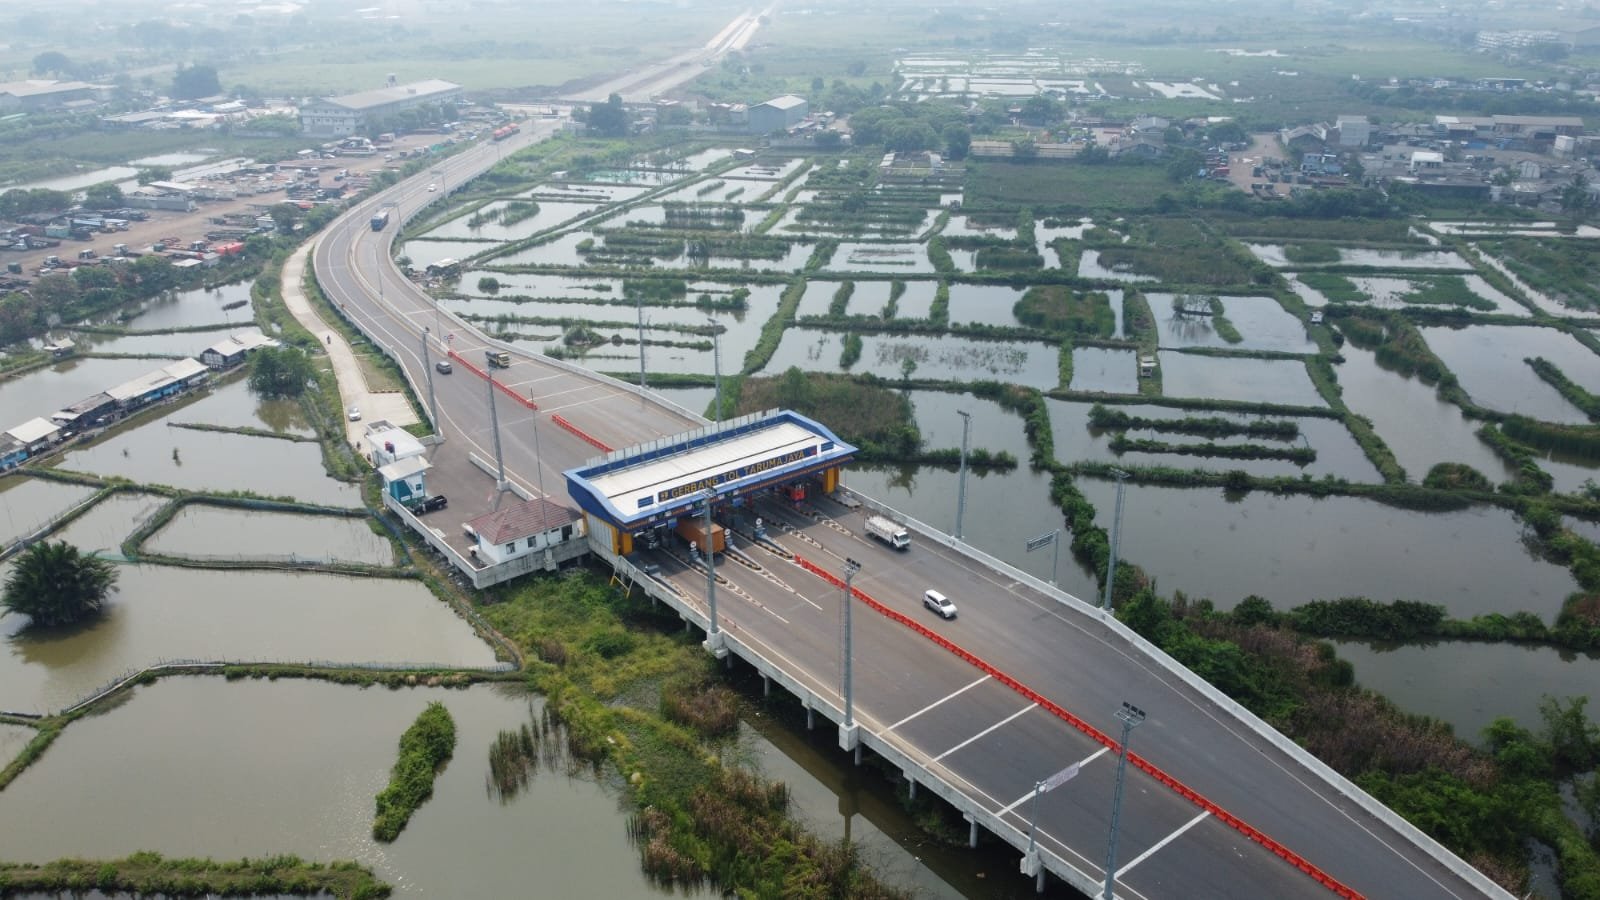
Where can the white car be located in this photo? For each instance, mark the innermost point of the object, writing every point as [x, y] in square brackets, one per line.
[355, 413]
[939, 603]
[432, 188]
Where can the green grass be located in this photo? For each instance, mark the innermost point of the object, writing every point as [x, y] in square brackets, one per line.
[150, 873]
[1057, 308]
[1337, 288]
[1066, 186]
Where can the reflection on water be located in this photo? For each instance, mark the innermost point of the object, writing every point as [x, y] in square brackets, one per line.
[12, 739]
[1488, 359]
[162, 613]
[1252, 380]
[1262, 323]
[938, 357]
[31, 502]
[1418, 427]
[212, 532]
[1469, 684]
[1292, 549]
[103, 528]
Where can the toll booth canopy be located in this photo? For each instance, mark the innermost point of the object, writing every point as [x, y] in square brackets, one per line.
[636, 488]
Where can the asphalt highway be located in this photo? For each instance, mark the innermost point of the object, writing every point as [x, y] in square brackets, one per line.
[961, 726]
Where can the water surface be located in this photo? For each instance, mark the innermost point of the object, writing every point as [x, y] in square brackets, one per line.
[216, 532]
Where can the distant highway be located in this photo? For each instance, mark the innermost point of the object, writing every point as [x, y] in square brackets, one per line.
[640, 85]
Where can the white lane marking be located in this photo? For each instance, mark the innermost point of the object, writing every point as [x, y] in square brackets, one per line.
[1029, 795]
[994, 727]
[950, 696]
[1123, 869]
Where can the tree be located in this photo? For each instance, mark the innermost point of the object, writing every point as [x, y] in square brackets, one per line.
[194, 82]
[609, 119]
[284, 215]
[103, 196]
[277, 372]
[152, 174]
[53, 584]
[51, 62]
[957, 140]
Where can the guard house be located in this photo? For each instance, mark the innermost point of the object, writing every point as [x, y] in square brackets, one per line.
[525, 527]
[406, 479]
[387, 443]
[639, 488]
[231, 352]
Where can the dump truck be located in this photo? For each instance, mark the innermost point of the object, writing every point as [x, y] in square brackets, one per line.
[694, 529]
[500, 359]
[889, 531]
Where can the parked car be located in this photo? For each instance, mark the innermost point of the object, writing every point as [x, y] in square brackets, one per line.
[428, 505]
[355, 413]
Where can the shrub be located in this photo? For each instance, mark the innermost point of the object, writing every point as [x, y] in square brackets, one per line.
[424, 747]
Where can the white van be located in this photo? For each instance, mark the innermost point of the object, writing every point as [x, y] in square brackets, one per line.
[939, 603]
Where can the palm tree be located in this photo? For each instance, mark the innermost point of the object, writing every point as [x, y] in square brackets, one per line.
[53, 584]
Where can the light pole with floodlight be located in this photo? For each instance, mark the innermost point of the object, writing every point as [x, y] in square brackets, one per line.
[1131, 717]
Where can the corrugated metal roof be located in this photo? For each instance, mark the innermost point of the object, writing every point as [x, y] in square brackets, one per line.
[787, 101]
[387, 95]
[34, 429]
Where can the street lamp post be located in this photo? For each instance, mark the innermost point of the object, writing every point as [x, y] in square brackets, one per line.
[849, 732]
[961, 490]
[1116, 534]
[716, 362]
[714, 639]
[1131, 717]
[433, 402]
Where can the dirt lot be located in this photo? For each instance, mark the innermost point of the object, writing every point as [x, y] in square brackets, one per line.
[1262, 146]
[192, 226]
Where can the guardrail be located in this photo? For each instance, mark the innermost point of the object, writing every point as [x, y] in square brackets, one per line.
[1149, 768]
[504, 388]
[582, 435]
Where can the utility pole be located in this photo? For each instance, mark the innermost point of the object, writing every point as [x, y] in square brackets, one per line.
[639, 304]
[1131, 717]
[713, 634]
[500, 482]
[849, 732]
[716, 362]
[961, 491]
[1116, 532]
[433, 402]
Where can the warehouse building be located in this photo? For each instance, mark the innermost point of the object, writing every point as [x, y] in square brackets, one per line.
[343, 116]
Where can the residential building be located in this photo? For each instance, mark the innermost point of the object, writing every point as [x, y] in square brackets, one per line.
[521, 527]
[35, 435]
[90, 412]
[1354, 131]
[229, 353]
[12, 452]
[1425, 162]
[777, 114]
[164, 382]
[346, 115]
[387, 443]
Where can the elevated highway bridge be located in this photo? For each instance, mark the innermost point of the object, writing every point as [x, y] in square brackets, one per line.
[1024, 684]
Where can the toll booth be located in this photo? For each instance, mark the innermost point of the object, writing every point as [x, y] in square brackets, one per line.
[639, 488]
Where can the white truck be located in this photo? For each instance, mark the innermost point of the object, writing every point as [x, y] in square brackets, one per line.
[889, 531]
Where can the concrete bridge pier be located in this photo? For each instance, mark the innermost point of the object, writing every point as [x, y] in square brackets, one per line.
[766, 685]
[972, 830]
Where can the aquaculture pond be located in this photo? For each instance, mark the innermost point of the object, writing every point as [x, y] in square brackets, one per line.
[30, 503]
[885, 258]
[983, 304]
[1338, 454]
[184, 309]
[1418, 427]
[423, 253]
[1390, 292]
[316, 754]
[104, 526]
[1089, 267]
[1228, 378]
[943, 357]
[1301, 548]
[1488, 360]
[161, 613]
[1261, 322]
[1470, 684]
[551, 214]
[1105, 370]
[224, 533]
[176, 345]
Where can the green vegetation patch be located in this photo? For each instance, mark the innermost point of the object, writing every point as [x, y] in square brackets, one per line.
[1197, 264]
[1282, 229]
[1311, 254]
[424, 748]
[1062, 310]
[1566, 270]
[1337, 288]
[1066, 187]
[875, 418]
[1105, 418]
[148, 874]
